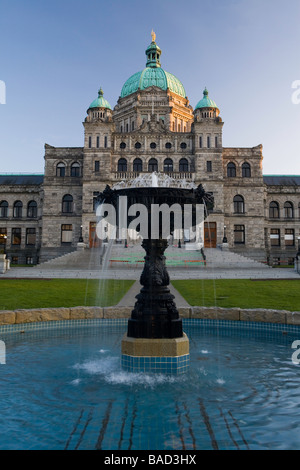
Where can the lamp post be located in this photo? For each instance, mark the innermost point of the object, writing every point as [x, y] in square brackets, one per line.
[224, 237]
[298, 257]
[80, 238]
[5, 238]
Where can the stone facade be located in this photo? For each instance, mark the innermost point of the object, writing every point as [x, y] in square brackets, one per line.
[151, 129]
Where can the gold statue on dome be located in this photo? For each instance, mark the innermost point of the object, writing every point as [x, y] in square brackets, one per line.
[153, 35]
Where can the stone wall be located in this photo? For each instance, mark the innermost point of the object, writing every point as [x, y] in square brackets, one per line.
[22, 316]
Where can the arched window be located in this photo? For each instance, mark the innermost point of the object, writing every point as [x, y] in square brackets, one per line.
[246, 170]
[183, 165]
[75, 169]
[60, 169]
[18, 206]
[137, 165]
[231, 170]
[122, 164]
[288, 210]
[238, 205]
[152, 165]
[274, 210]
[138, 145]
[67, 204]
[3, 209]
[168, 165]
[122, 145]
[32, 209]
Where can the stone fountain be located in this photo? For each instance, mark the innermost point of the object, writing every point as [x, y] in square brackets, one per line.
[155, 340]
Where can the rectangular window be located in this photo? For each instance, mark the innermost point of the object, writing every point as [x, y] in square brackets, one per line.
[105, 141]
[208, 142]
[97, 166]
[200, 142]
[98, 141]
[289, 237]
[239, 234]
[30, 236]
[90, 142]
[275, 237]
[3, 235]
[29, 260]
[209, 166]
[66, 233]
[16, 236]
[216, 141]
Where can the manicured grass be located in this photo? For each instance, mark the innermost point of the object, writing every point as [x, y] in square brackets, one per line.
[243, 293]
[43, 293]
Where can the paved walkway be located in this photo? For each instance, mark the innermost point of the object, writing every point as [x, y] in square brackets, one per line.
[129, 298]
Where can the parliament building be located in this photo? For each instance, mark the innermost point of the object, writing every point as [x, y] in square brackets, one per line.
[152, 128]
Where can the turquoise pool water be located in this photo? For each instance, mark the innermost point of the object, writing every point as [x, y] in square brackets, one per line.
[63, 387]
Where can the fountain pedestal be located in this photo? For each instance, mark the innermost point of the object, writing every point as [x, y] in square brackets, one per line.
[155, 341]
[161, 355]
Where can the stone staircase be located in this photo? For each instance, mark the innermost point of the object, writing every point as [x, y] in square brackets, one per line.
[118, 257]
[218, 259]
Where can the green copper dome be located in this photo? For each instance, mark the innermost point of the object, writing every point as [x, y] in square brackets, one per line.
[100, 102]
[153, 75]
[206, 102]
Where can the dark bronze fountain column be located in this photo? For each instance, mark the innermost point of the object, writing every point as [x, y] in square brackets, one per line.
[155, 314]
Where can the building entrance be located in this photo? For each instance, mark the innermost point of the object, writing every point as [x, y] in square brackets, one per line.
[210, 235]
[93, 239]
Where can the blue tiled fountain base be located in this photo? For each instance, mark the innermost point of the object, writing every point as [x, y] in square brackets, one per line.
[161, 365]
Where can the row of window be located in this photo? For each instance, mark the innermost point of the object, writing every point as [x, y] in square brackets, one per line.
[288, 210]
[289, 236]
[274, 211]
[30, 239]
[18, 209]
[152, 145]
[153, 165]
[16, 236]
[97, 142]
[232, 173]
[75, 169]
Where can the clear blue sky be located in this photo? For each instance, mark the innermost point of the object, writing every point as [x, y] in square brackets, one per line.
[56, 54]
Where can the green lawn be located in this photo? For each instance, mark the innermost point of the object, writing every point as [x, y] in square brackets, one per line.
[270, 294]
[43, 293]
